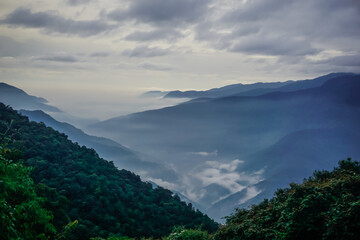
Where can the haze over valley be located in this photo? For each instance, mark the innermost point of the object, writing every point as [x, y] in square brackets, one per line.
[230, 149]
[166, 111]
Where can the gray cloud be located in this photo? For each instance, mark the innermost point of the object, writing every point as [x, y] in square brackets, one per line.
[9, 47]
[78, 2]
[347, 61]
[162, 12]
[51, 21]
[155, 67]
[147, 52]
[58, 57]
[158, 34]
[273, 46]
[100, 54]
[284, 28]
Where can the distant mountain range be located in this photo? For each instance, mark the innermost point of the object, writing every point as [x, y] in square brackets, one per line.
[227, 147]
[110, 150]
[231, 151]
[255, 89]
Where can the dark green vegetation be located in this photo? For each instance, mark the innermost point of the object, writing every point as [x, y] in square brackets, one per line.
[78, 185]
[324, 206]
[21, 209]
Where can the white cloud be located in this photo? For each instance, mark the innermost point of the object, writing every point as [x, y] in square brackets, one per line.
[205, 154]
[250, 193]
[225, 174]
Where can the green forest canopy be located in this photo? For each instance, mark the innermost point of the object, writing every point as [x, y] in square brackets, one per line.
[72, 182]
[79, 185]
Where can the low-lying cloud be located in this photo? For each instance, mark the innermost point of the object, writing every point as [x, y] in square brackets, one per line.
[225, 175]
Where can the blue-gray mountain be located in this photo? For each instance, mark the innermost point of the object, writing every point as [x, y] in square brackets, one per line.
[121, 156]
[17, 98]
[235, 150]
[255, 89]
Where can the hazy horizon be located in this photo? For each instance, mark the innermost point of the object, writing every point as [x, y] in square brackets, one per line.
[75, 52]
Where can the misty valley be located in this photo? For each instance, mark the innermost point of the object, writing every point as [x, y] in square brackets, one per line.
[264, 156]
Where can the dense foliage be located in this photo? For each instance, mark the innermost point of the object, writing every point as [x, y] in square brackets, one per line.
[22, 214]
[180, 233]
[70, 183]
[81, 186]
[324, 206]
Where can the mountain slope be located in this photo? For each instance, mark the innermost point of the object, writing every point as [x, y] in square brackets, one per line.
[17, 98]
[207, 140]
[291, 159]
[225, 91]
[106, 148]
[256, 89]
[104, 199]
[324, 206]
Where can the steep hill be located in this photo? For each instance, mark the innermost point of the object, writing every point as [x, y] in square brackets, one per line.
[123, 158]
[17, 98]
[324, 206]
[102, 198]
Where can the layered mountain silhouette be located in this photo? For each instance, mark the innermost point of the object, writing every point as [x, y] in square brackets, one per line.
[235, 150]
[255, 89]
[227, 147]
[17, 98]
[122, 157]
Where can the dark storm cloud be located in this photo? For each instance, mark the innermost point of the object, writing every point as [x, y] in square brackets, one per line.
[158, 34]
[50, 21]
[162, 12]
[147, 52]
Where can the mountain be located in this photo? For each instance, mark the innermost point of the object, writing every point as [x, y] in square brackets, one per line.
[225, 91]
[17, 98]
[255, 89]
[121, 156]
[79, 185]
[152, 94]
[290, 160]
[323, 206]
[228, 141]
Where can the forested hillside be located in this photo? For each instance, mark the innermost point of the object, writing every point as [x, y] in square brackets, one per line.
[324, 206]
[78, 185]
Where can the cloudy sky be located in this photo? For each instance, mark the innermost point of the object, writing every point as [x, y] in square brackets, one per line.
[78, 52]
